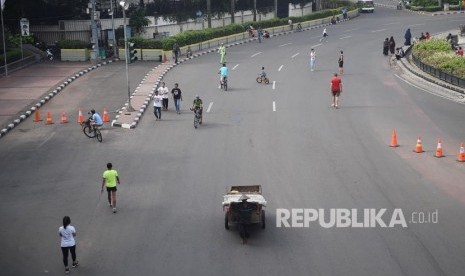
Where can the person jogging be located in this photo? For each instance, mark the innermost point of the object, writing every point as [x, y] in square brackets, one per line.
[110, 177]
[336, 89]
[324, 36]
[340, 62]
[67, 232]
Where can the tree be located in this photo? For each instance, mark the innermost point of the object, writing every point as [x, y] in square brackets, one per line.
[138, 20]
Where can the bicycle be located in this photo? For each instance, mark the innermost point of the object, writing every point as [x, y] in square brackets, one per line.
[263, 79]
[224, 84]
[91, 130]
[197, 117]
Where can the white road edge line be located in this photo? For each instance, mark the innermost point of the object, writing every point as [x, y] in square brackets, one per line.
[209, 107]
[280, 67]
[284, 44]
[274, 106]
[274, 84]
[380, 30]
[344, 37]
[235, 66]
[295, 55]
[255, 54]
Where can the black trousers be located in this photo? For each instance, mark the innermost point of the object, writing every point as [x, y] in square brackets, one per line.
[165, 103]
[65, 251]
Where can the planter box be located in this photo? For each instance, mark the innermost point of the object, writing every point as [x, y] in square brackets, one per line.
[74, 54]
[151, 54]
[122, 54]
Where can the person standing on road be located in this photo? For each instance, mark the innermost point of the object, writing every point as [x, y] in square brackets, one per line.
[386, 46]
[408, 37]
[312, 59]
[67, 233]
[157, 102]
[392, 45]
[176, 52]
[177, 97]
[109, 179]
[222, 52]
[163, 91]
[259, 35]
[340, 62]
[336, 89]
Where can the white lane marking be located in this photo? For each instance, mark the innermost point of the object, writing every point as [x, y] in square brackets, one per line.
[235, 66]
[209, 107]
[457, 20]
[46, 140]
[295, 55]
[255, 54]
[318, 36]
[314, 46]
[420, 24]
[285, 44]
[274, 106]
[394, 23]
[344, 37]
[274, 84]
[280, 67]
[351, 30]
[380, 30]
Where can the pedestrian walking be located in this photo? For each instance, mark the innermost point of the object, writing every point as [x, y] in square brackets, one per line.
[336, 89]
[324, 36]
[177, 97]
[222, 52]
[312, 59]
[386, 46]
[176, 52]
[392, 45]
[109, 179]
[164, 92]
[157, 103]
[340, 62]
[259, 35]
[291, 26]
[67, 233]
[408, 37]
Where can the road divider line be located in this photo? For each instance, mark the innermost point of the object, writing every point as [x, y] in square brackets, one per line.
[274, 106]
[274, 84]
[255, 54]
[209, 107]
[318, 36]
[295, 55]
[419, 24]
[344, 37]
[351, 30]
[235, 66]
[280, 67]
[316, 45]
[380, 30]
[284, 44]
[393, 23]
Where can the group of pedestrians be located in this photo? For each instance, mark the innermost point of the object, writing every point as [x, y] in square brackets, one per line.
[389, 46]
[161, 99]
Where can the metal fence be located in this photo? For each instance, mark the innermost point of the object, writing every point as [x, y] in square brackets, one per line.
[447, 77]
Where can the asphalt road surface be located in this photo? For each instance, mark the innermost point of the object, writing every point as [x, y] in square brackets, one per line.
[283, 136]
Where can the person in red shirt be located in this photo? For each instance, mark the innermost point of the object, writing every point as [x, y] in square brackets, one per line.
[460, 52]
[336, 89]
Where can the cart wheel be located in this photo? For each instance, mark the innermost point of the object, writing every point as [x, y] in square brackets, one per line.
[263, 219]
[226, 222]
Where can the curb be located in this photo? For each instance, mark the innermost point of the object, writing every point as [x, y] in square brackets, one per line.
[447, 13]
[50, 94]
[142, 109]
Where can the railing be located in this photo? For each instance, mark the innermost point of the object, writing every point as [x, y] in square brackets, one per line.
[447, 77]
[19, 64]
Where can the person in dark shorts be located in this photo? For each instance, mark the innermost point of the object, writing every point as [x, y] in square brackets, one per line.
[340, 61]
[336, 89]
[110, 177]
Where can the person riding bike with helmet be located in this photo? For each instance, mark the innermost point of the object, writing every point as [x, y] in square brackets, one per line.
[197, 105]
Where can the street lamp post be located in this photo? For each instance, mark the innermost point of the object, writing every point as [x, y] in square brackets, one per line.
[115, 53]
[125, 5]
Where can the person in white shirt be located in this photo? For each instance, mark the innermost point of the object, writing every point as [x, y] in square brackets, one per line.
[312, 59]
[157, 102]
[67, 233]
[163, 91]
[325, 36]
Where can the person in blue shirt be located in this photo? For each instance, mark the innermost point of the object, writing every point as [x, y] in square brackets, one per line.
[223, 74]
[96, 119]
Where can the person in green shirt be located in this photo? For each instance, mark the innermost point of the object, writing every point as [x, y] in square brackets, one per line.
[110, 177]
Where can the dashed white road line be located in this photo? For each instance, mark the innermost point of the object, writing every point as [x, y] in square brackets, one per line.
[295, 55]
[209, 107]
[284, 44]
[351, 30]
[420, 24]
[274, 106]
[46, 140]
[380, 30]
[393, 23]
[255, 54]
[274, 84]
[344, 37]
[318, 36]
[280, 67]
[316, 45]
[235, 66]
[457, 20]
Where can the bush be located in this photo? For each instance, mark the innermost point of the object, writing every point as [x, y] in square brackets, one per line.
[432, 8]
[11, 55]
[72, 44]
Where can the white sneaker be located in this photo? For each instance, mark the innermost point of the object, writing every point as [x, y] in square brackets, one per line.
[114, 210]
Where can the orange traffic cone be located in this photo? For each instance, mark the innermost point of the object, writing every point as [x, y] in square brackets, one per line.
[439, 149]
[64, 120]
[49, 119]
[105, 116]
[461, 156]
[394, 139]
[37, 116]
[165, 59]
[418, 147]
[80, 117]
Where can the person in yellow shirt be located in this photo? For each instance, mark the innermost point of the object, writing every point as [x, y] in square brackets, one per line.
[110, 177]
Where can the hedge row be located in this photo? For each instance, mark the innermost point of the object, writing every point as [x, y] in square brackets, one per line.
[433, 8]
[438, 53]
[11, 55]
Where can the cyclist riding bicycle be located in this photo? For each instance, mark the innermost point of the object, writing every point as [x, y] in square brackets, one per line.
[223, 74]
[95, 119]
[263, 73]
[197, 105]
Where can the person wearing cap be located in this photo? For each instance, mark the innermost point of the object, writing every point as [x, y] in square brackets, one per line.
[96, 119]
[244, 211]
[197, 105]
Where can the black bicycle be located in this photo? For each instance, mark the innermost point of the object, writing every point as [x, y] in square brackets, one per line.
[197, 117]
[224, 84]
[91, 130]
